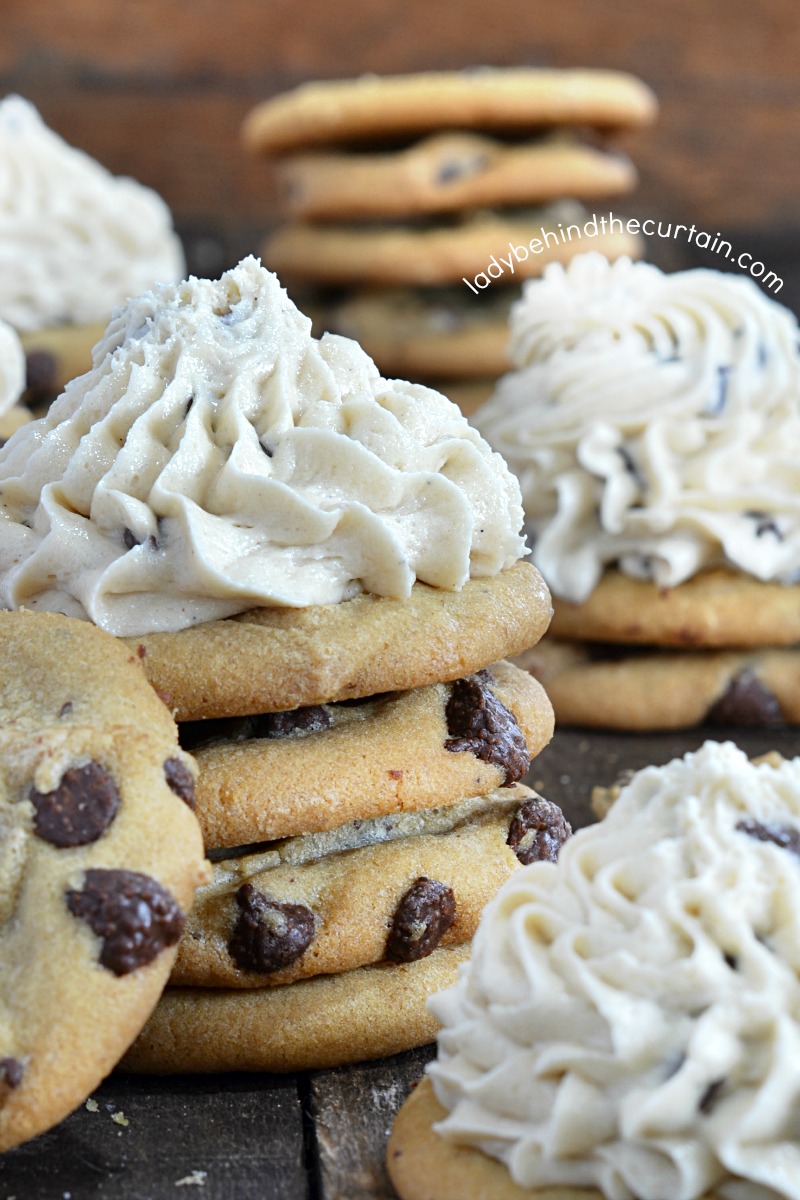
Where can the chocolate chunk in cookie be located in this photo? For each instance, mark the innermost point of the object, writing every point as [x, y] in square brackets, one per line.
[538, 830]
[134, 915]
[79, 810]
[11, 1073]
[784, 836]
[746, 702]
[479, 723]
[269, 935]
[181, 781]
[421, 920]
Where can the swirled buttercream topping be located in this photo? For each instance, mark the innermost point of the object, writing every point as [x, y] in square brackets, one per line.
[217, 457]
[630, 1019]
[75, 241]
[652, 421]
[12, 368]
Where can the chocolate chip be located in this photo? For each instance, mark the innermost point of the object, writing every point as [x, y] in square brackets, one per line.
[765, 524]
[134, 915]
[537, 831]
[269, 935]
[710, 1096]
[478, 722]
[745, 702]
[785, 836]
[421, 920]
[66, 708]
[79, 810]
[461, 168]
[41, 372]
[180, 779]
[11, 1072]
[297, 720]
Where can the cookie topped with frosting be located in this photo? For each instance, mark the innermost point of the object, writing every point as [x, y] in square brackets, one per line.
[650, 419]
[75, 241]
[628, 1019]
[217, 457]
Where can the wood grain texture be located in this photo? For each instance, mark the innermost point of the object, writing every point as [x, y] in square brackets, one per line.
[158, 88]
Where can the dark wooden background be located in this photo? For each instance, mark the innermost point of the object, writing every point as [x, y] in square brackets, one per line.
[157, 89]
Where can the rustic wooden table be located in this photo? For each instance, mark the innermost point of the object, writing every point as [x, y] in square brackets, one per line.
[314, 1136]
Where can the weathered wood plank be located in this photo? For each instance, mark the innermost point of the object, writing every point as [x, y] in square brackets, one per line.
[227, 1136]
[353, 1109]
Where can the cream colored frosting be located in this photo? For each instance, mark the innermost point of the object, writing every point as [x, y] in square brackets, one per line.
[12, 368]
[630, 1019]
[653, 422]
[217, 457]
[74, 240]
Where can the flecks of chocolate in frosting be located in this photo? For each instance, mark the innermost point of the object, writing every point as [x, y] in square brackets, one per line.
[785, 836]
[481, 724]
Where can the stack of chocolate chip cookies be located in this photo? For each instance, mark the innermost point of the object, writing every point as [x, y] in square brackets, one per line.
[417, 203]
[359, 795]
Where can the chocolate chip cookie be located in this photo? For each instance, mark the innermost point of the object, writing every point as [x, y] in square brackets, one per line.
[277, 775]
[100, 854]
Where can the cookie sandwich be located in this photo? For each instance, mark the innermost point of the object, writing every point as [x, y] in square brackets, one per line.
[319, 571]
[100, 855]
[400, 191]
[626, 1026]
[68, 264]
[651, 421]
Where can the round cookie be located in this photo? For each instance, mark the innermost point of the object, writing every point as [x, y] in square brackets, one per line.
[56, 355]
[390, 888]
[273, 659]
[317, 768]
[436, 254]
[716, 608]
[485, 98]
[323, 1022]
[92, 904]
[423, 1166]
[617, 687]
[447, 172]
[420, 335]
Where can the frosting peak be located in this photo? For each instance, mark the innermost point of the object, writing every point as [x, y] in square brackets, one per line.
[651, 420]
[74, 240]
[218, 457]
[630, 1019]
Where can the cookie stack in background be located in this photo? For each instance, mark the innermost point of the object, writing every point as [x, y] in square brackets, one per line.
[651, 421]
[356, 839]
[406, 194]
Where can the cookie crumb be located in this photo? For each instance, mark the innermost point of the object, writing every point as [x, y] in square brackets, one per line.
[196, 1179]
[119, 1118]
[92, 1105]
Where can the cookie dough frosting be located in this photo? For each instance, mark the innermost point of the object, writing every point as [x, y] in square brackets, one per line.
[74, 240]
[217, 457]
[12, 368]
[651, 421]
[630, 1019]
